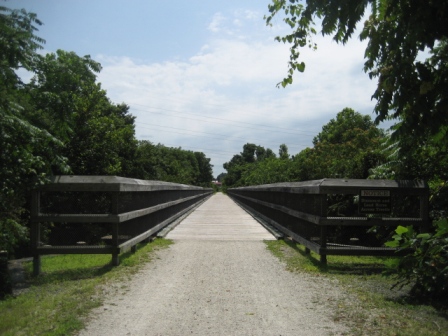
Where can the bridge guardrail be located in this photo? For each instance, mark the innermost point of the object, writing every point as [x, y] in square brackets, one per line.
[326, 215]
[104, 214]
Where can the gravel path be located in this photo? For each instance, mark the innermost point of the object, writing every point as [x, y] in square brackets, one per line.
[218, 288]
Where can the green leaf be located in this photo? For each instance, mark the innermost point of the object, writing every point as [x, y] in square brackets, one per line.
[393, 243]
[401, 229]
[424, 236]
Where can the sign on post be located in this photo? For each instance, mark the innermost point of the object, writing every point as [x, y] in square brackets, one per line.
[375, 202]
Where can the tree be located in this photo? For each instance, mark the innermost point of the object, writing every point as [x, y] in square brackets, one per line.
[69, 103]
[283, 152]
[413, 91]
[347, 147]
[205, 175]
[28, 152]
[158, 162]
[18, 49]
[244, 162]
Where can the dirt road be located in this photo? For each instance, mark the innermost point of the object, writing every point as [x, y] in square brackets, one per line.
[218, 288]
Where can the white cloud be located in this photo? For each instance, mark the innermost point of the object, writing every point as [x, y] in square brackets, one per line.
[216, 23]
[228, 89]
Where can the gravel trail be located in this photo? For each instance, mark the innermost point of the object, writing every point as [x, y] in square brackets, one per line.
[218, 288]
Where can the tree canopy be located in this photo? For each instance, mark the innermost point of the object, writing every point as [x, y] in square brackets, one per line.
[410, 87]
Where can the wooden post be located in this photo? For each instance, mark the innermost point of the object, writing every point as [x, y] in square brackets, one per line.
[115, 231]
[35, 231]
[323, 228]
[5, 278]
[323, 243]
[424, 211]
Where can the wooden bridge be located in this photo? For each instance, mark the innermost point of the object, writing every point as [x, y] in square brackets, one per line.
[219, 218]
[111, 215]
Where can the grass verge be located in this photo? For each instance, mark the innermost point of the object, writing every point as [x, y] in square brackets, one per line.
[70, 286]
[370, 306]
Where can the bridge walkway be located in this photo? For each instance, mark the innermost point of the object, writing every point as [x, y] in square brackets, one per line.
[219, 218]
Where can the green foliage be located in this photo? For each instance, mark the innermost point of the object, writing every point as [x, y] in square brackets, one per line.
[426, 266]
[408, 88]
[242, 168]
[158, 162]
[271, 170]
[28, 153]
[18, 45]
[346, 147]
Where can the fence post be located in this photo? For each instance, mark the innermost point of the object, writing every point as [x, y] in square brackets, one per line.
[323, 228]
[115, 231]
[5, 278]
[424, 211]
[35, 231]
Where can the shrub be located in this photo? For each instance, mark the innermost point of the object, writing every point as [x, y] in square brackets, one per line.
[425, 267]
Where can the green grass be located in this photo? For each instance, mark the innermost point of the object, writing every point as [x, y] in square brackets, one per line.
[370, 306]
[68, 288]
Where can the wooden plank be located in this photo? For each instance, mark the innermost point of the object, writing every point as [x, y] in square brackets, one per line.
[77, 218]
[298, 214]
[111, 183]
[108, 218]
[142, 212]
[340, 186]
[76, 249]
[219, 218]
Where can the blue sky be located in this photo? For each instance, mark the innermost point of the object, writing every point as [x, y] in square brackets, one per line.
[202, 75]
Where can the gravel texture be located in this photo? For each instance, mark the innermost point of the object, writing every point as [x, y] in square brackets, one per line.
[218, 288]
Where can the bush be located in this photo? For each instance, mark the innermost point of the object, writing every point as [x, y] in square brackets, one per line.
[425, 267]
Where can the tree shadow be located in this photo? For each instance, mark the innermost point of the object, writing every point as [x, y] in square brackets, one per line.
[440, 304]
[74, 274]
[348, 268]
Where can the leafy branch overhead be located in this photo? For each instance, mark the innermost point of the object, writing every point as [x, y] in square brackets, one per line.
[399, 35]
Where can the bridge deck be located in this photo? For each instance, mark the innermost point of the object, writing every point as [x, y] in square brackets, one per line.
[219, 218]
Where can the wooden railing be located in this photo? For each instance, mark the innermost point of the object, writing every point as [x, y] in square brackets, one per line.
[331, 216]
[104, 214]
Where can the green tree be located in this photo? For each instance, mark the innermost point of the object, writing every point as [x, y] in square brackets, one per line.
[283, 152]
[270, 170]
[347, 147]
[205, 175]
[412, 90]
[158, 162]
[243, 163]
[69, 103]
[28, 152]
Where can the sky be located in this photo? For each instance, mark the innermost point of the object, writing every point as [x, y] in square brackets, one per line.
[202, 75]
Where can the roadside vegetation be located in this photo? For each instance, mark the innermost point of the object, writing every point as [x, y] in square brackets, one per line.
[370, 306]
[58, 301]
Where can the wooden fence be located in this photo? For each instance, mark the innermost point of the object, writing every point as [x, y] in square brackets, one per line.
[104, 214]
[332, 216]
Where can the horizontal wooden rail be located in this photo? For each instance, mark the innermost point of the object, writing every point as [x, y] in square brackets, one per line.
[123, 207]
[108, 218]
